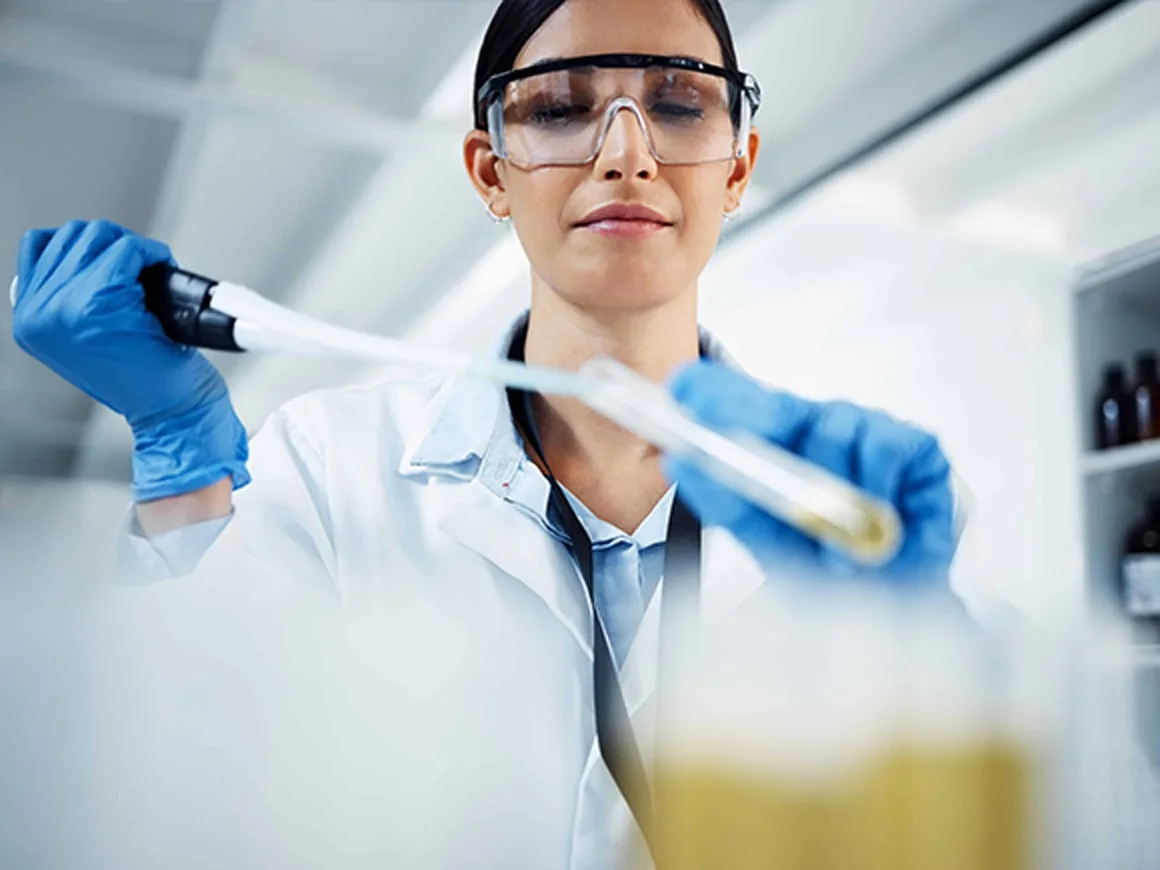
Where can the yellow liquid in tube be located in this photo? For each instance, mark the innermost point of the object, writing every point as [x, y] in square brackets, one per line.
[910, 808]
[874, 540]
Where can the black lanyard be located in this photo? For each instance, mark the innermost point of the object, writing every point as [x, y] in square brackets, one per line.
[682, 578]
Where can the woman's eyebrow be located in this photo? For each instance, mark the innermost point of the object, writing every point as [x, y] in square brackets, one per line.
[555, 58]
[541, 61]
[544, 61]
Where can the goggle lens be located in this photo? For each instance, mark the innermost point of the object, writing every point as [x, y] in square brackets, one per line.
[562, 117]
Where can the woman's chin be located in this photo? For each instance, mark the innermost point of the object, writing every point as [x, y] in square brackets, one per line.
[621, 297]
[624, 288]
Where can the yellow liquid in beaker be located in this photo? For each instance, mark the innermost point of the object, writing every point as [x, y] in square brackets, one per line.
[911, 808]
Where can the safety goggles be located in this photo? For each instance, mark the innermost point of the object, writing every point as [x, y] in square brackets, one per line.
[558, 113]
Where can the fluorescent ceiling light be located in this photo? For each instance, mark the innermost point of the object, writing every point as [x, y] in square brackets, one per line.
[1011, 226]
[448, 102]
[863, 196]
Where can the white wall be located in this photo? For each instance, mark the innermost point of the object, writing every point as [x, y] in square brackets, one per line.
[57, 531]
[972, 342]
[56, 540]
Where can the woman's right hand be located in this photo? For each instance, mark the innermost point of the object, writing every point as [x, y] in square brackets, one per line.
[80, 310]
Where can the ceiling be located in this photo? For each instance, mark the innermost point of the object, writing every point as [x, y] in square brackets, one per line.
[1058, 159]
[310, 148]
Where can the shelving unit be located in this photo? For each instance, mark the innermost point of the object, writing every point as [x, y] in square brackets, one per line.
[1135, 459]
[1116, 315]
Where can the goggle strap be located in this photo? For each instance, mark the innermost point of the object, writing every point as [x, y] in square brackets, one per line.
[746, 85]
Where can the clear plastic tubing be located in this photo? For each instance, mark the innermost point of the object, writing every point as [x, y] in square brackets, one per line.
[799, 493]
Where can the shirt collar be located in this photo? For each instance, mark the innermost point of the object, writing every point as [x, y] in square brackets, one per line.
[468, 418]
[654, 529]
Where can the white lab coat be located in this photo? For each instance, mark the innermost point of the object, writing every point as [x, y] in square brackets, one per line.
[461, 629]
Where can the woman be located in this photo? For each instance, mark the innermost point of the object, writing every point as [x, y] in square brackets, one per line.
[616, 170]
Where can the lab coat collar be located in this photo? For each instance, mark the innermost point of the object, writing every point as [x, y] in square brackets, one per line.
[469, 416]
[463, 419]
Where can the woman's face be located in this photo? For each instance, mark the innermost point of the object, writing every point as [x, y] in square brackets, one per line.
[595, 267]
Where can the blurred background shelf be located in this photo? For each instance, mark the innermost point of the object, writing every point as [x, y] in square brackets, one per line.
[1142, 457]
[1147, 654]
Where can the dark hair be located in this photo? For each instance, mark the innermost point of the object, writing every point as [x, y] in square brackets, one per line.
[515, 22]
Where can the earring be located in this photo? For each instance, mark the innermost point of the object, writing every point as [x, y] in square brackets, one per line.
[732, 215]
[491, 214]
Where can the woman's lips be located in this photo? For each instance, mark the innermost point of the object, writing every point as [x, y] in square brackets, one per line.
[626, 229]
[625, 220]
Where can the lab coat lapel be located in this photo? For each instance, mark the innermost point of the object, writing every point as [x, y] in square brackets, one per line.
[485, 523]
[729, 575]
[638, 677]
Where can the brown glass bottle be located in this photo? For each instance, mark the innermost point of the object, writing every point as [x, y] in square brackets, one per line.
[1141, 566]
[1115, 410]
[1147, 392]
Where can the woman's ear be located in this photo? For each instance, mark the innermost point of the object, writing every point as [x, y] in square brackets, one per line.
[742, 172]
[486, 173]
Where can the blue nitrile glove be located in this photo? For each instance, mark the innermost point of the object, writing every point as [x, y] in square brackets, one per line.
[81, 311]
[886, 458]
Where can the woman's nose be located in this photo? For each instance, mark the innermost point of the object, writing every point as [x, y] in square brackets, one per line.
[626, 151]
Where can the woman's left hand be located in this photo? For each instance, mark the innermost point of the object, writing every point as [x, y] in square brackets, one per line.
[896, 462]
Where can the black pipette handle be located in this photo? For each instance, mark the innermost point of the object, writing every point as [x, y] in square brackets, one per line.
[182, 301]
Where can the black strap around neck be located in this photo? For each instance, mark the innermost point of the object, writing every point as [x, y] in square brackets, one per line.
[682, 578]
